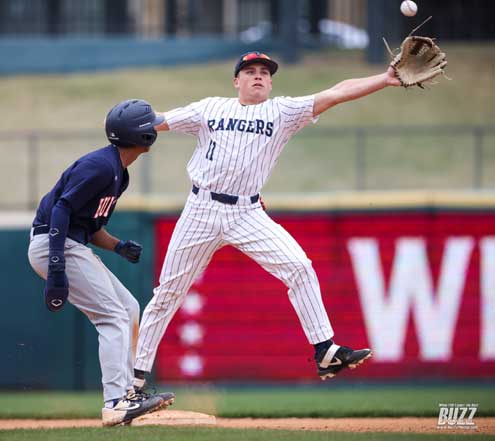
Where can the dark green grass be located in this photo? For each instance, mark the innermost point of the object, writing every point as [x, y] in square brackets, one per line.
[207, 434]
[340, 400]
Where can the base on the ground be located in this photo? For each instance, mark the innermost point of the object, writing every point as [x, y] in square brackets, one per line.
[174, 418]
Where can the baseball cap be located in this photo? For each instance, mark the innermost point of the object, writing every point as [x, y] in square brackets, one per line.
[255, 57]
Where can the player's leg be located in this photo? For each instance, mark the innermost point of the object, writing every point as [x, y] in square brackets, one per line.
[195, 238]
[254, 233]
[131, 306]
[268, 243]
[131, 405]
[92, 292]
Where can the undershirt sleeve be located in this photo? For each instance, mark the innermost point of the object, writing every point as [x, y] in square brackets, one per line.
[59, 226]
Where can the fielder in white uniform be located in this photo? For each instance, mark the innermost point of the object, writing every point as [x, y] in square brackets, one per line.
[239, 142]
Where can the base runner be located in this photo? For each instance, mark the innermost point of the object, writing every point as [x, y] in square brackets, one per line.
[74, 213]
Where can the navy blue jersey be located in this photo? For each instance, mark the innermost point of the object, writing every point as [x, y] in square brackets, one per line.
[91, 186]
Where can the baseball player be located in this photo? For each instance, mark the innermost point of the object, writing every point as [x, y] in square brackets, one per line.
[238, 143]
[74, 213]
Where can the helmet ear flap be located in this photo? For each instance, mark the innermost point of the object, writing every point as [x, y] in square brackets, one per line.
[149, 138]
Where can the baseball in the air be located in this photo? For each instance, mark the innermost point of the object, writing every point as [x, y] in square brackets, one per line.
[408, 8]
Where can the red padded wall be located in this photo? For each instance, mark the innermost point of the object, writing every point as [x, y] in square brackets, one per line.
[238, 324]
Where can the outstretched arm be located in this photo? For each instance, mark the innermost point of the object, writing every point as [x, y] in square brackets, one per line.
[353, 89]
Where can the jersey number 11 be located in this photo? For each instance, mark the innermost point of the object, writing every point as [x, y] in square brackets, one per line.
[211, 149]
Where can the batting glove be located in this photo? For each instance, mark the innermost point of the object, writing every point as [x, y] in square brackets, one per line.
[56, 290]
[129, 250]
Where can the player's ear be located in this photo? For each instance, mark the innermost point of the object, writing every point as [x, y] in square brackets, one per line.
[236, 82]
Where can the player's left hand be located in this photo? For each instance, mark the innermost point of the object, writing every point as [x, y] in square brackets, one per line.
[129, 250]
[56, 290]
[420, 60]
[392, 80]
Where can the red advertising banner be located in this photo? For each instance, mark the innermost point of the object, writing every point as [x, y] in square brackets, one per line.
[417, 287]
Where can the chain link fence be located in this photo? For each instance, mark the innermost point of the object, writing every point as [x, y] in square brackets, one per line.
[70, 35]
[157, 18]
[317, 160]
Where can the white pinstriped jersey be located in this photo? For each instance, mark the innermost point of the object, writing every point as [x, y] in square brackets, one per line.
[238, 145]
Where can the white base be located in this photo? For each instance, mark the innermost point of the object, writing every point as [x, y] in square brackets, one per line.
[174, 418]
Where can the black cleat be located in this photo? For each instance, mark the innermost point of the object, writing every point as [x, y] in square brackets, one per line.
[167, 397]
[332, 360]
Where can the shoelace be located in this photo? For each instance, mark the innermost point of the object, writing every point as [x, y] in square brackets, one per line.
[141, 394]
[134, 396]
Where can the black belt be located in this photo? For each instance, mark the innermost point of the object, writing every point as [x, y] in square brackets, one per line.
[226, 198]
[41, 229]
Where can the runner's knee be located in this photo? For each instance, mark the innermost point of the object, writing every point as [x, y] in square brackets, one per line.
[133, 308]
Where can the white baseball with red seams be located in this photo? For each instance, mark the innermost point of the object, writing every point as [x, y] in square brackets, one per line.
[238, 146]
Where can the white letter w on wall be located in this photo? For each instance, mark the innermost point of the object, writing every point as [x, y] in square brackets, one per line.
[411, 287]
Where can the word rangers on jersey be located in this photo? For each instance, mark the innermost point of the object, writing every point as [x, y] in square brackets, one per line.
[257, 126]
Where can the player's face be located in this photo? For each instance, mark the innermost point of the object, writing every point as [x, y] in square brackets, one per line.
[254, 84]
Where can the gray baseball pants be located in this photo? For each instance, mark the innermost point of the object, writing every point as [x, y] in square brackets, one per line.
[107, 303]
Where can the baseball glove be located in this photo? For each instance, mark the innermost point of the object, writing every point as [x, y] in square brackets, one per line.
[419, 60]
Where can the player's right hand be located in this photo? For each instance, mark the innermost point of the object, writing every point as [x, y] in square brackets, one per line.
[129, 250]
[56, 290]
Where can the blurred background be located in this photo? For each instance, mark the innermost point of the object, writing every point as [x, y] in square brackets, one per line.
[391, 196]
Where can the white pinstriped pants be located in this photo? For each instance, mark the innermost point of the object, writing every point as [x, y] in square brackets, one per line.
[205, 226]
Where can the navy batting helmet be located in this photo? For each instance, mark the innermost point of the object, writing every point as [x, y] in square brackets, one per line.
[132, 123]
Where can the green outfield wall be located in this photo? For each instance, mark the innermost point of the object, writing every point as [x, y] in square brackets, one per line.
[44, 350]
[59, 351]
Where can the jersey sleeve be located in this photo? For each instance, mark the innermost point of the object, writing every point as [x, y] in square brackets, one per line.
[187, 119]
[85, 182]
[296, 112]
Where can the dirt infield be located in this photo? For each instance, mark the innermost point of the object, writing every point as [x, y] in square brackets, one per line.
[411, 425]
